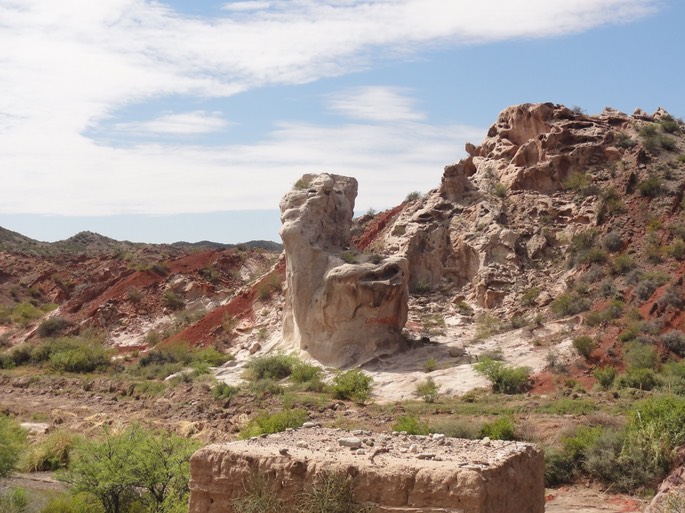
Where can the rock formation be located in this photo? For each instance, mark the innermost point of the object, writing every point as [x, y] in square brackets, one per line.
[341, 307]
[408, 473]
[497, 214]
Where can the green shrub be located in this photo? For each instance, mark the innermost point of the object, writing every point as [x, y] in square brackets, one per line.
[530, 296]
[268, 423]
[655, 430]
[584, 345]
[669, 124]
[14, 500]
[303, 372]
[502, 428]
[263, 388]
[52, 327]
[605, 376]
[641, 379]
[78, 355]
[51, 454]
[69, 503]
[277, 366]
[569, 304]
[568, 406]
[330, 493]
[674, 341]
[352, 385]
[505, 380]
[668, 143]
[559, 468]
[172, 301]
[622, 263]
[640, 356]
[411, 424]
[224, 392]
[487, 325]
[12, 442]
[650, 187]
[623, 140]
[430, 365]
[427, 390]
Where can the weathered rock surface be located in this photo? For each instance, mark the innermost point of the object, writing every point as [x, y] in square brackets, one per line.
[498, 214]
[671, 494]
[440, 475]
[340, 313]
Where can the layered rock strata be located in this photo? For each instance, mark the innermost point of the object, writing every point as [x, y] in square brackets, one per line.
[343, 308]
[393, 472]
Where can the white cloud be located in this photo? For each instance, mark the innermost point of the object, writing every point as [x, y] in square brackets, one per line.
[376, 104]
[68, 65]
[246, 6]
[187, 123]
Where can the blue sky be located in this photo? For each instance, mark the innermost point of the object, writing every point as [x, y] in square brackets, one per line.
[163, 121]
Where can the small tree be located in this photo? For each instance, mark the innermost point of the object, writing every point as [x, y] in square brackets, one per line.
[133, 467]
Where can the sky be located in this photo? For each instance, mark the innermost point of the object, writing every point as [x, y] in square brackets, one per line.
[162, 121]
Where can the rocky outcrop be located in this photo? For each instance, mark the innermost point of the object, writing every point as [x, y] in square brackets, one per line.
[503, 213]
[670, 496]
[421, 474]
[343, 308]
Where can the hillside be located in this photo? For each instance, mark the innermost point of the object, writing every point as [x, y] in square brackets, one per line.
[546, 267]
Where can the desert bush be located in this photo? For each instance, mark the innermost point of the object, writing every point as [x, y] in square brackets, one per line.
[268, 423]
[673, 296]
[276, 366]
[52, 327]
[607, 288]
[308, 376]
[172, 301]
[224, 392]
[654, 432]
[70, 503]
[456, 427]
[51, 454]
[622, 263]
[427, 390]
[14, 500]
[641, 379]
[352, 385]
[263, 388]
[668, 143]
[613, 242]
[676, 249]
[430, 365]
[605, 376]
[559, 468]
[259, 496]
[645, 289]
[506, 380]
[623, 140]
[650, 187]
[502, 428]
[487, 325]
[674, 341]
[411, 424]
[330, 493]
[413, 196]
[569, 304]
[12, 442]
[669, 124]
[75, 354]
[529, 296]
[638, 355]
[584, 345]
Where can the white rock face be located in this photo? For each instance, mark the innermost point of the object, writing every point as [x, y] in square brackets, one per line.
[341, 313]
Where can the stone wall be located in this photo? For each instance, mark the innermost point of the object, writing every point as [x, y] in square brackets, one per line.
[394, 472]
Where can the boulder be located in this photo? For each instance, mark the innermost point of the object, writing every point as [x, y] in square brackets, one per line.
[340, 306]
